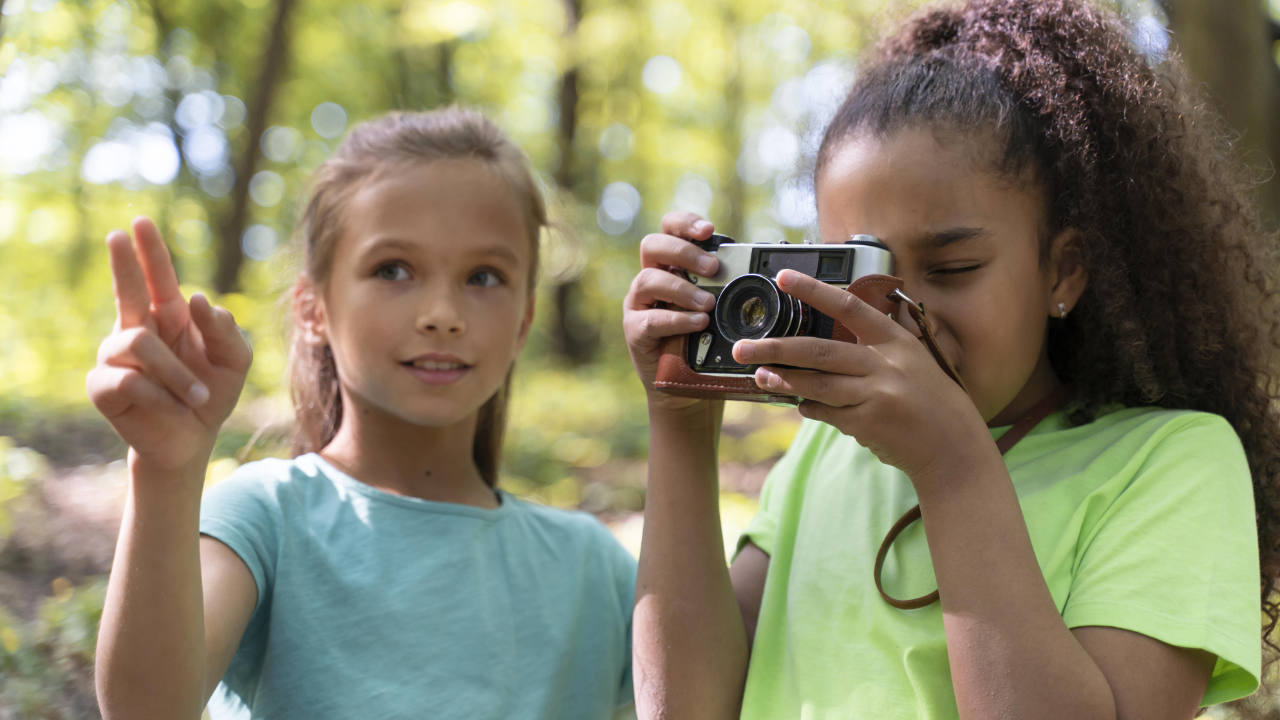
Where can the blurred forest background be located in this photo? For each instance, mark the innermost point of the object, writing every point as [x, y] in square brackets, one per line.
[210, 115]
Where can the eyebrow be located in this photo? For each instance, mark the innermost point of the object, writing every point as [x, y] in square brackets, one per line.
[950, 236]
[379, 244]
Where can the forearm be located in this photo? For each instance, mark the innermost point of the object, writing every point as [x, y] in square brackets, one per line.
[1011, 655]
[150, 656]
[690, 642]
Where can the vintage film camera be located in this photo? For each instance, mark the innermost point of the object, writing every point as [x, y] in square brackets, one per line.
[750, 306]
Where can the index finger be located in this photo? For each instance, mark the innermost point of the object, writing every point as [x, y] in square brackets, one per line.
[682, 223]
[157, 267]
[668, 251]
[869, 324]
[133, 303]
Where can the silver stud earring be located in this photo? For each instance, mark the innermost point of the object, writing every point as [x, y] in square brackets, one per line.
[1062, 311]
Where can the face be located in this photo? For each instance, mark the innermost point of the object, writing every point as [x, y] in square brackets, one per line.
[966, 243]
[428, 301]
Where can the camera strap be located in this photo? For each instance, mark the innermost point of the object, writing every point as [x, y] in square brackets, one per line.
[1042, 409]
[917, 313]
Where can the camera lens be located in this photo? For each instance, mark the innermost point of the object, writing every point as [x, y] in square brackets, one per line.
[752, 307]
[752, 314]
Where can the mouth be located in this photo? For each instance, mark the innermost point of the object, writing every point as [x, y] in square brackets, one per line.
[437, 369]
[436, 365]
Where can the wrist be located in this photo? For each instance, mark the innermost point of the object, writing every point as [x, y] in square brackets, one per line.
[184, 477]
[682, 412]
[958, 469]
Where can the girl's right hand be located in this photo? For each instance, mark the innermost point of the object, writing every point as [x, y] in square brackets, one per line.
[171, 371]
[661, 303]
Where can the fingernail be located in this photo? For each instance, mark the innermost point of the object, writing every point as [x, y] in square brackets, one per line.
[707, 264]
[197, 394]
[742, 351]
[704, 299]
[783, 278]
[701, 226]
[766, 378]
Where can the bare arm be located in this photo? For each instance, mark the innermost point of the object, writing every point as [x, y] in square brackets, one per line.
[1011, 654]
[691, 642]
[748, 572]
[176, 607]
[167, 377]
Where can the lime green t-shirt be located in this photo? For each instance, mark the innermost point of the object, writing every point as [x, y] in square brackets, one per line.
[1142, 520]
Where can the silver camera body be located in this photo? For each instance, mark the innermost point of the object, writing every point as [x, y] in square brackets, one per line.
[749, 304]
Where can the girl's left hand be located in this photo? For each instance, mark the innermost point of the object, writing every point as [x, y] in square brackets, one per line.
[886, 390]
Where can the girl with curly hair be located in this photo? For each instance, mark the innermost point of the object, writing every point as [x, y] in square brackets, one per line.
[1096, 493]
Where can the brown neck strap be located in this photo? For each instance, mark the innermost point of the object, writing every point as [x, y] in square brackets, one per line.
[1042, 409]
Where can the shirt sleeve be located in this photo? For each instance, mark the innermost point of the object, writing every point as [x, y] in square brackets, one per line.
[242, 512]
[625, 584]
[1175, 555]
[785, 474]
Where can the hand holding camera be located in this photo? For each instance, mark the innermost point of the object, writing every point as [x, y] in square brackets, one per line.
[662, 303]
[812, 325]
[750, 305]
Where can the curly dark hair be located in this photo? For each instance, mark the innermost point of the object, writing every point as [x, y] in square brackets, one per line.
[1180, 311]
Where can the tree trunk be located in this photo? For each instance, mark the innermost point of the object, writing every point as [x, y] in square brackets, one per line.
[230, 256]
[731, 134]
[415, 68]
[572, 337]
[78, 256]
[1227, 45]
[172, 96]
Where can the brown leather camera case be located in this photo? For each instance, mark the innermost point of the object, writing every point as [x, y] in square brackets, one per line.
[676, 377]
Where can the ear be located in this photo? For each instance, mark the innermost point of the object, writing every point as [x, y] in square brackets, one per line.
[308, 312]
[527, 322]
[1068, 276]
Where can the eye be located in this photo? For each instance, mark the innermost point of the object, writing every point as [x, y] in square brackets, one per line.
[391, 271]
[486, 277]
[954, 270]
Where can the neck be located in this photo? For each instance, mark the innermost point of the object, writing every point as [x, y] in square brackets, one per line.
[1042, 382]
[431, 463]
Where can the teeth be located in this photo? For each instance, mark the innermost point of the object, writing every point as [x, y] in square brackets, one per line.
[434, 365]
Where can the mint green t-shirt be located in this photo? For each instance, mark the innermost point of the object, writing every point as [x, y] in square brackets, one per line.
[373, 605]
[1142, 520]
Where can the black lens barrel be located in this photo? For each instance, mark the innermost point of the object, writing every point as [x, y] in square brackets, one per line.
[752, 307]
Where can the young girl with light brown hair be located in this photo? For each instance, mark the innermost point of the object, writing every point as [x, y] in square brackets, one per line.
[380, 572]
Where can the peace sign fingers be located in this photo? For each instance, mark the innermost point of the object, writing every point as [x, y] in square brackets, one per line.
[133, 302]
[168, 306]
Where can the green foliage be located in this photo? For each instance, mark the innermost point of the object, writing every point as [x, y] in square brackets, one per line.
[45, 665]
[19, 468]
[98, 72]
[115, 108]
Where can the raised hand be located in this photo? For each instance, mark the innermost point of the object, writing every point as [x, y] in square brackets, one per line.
[886, 391]
[171, 370]
[645, 321]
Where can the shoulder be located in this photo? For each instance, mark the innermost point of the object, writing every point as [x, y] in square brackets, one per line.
[268, 485]
[1144, 431]
[567, 529]
[1150, 459]
[558, 521]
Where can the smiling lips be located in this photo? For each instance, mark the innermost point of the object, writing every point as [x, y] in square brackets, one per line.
[437, 369]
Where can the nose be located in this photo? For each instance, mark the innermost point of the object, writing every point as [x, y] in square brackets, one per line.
[441, 312]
